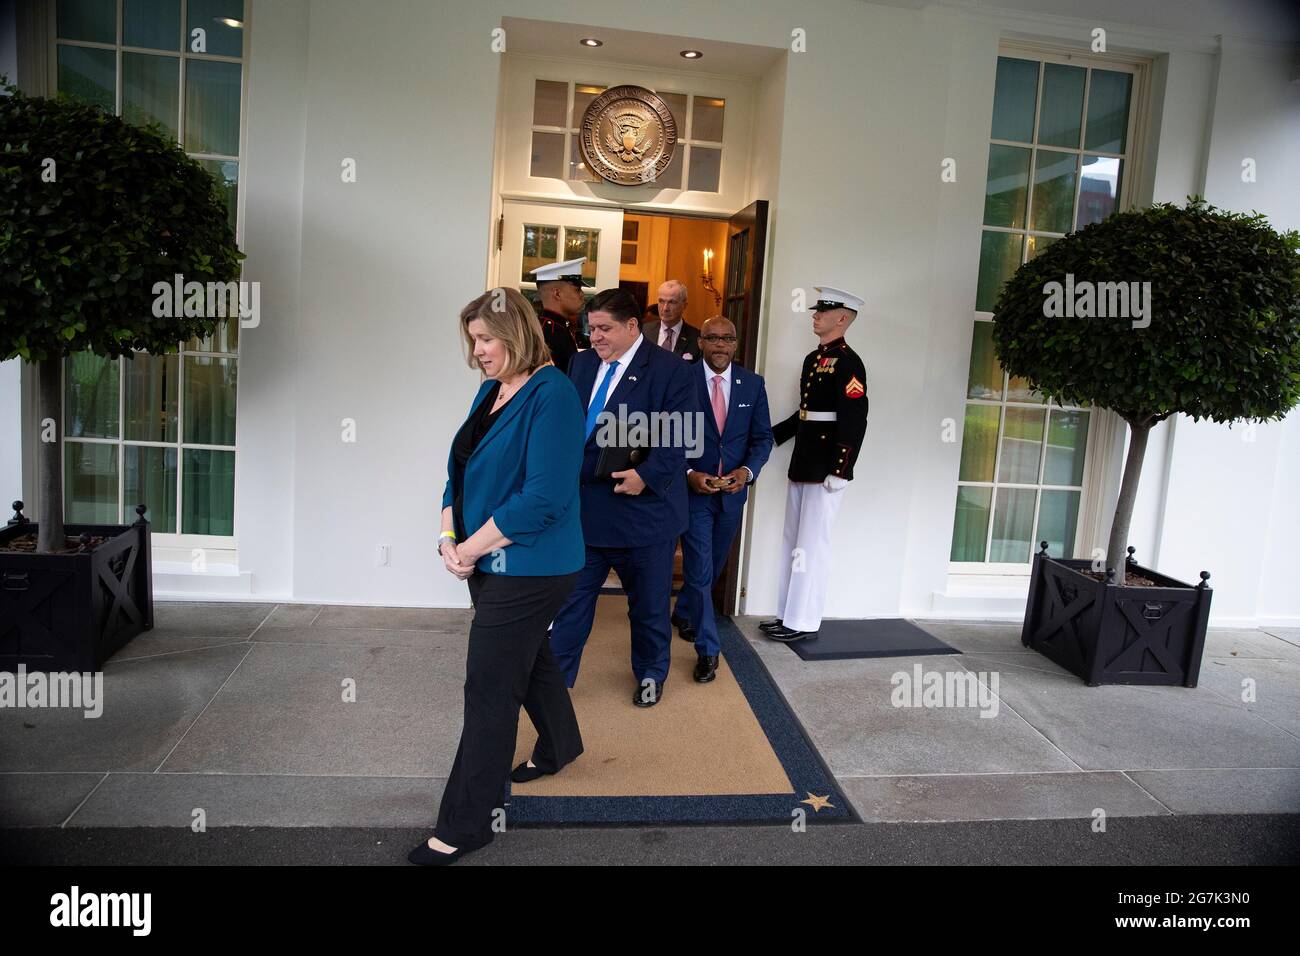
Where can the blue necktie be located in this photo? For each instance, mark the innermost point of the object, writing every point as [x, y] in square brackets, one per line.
[598, 403]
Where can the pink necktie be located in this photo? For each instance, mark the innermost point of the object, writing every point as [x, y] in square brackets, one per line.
[719, 410]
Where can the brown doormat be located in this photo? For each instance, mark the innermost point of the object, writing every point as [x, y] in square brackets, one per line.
[699, 739]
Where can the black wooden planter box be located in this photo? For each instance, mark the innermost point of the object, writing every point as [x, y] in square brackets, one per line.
[1116, 635]
[71, 612]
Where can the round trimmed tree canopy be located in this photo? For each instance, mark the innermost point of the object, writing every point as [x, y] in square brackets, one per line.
[96, 214]
[1157, 311]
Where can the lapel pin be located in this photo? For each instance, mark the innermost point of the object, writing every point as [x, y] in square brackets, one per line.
[631, 378]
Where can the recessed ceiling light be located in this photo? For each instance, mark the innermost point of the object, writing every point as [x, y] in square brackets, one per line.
[230, 22]
[692, 54]
[591, 41]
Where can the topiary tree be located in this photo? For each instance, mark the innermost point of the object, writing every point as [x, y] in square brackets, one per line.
[1214, 332]
[94, 212]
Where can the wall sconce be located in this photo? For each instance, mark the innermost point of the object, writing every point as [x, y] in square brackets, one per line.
[707, 277]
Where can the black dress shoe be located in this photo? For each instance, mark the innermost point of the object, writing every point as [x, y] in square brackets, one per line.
[706, 668]
[770, 625]
[648, 693]
[684, 629]
[788, 635]
[426, 855]
[523, 773]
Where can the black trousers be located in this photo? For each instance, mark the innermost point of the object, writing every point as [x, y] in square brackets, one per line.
[509, 666]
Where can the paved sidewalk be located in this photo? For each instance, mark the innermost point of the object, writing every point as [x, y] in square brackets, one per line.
[237, 709]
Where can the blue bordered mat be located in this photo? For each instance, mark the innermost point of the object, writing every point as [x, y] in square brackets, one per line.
[802, 763]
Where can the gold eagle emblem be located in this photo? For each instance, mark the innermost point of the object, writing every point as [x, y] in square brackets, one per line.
[632, 140]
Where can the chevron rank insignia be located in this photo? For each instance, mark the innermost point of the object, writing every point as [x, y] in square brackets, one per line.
[854, 389]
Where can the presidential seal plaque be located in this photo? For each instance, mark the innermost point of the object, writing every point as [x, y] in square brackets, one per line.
[628, 135]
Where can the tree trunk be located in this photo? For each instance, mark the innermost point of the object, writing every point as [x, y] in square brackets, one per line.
[51, 536]
[1117, 548]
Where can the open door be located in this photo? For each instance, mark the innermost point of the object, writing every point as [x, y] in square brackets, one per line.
[741, 302]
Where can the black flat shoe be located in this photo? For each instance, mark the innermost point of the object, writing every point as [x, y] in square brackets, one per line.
[648, 693]
[523, 773]
[706, 668]
[788, 635]
[425, 855]
[770, 625]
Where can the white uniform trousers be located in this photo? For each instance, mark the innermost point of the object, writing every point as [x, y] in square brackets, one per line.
[806, 562]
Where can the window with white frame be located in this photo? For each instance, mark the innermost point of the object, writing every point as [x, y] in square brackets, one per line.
[158, 429]
[1059, 155]
[558, 108]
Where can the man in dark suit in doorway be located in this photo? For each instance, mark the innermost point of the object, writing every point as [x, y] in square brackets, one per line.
[630, 520]
[671, 331]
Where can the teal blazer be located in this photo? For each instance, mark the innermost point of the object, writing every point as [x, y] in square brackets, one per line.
[524, 474]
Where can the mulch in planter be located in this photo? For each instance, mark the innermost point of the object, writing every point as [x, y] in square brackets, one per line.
[27, 544]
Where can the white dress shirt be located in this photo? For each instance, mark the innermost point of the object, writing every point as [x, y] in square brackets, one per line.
[725, 375]
[624, 361]
[665, 329]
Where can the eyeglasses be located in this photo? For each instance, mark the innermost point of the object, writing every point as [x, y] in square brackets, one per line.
[718, 338]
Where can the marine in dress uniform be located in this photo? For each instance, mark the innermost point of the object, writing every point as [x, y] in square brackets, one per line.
[556, 284]
[827, 429]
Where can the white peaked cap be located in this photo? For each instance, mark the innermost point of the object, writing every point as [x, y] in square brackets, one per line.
[830, 297]
[571, 270]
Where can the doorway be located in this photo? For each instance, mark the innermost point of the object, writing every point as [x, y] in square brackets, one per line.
[720, 261]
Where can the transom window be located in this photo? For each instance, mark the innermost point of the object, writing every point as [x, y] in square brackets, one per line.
[558, 108]
[1058, 156]
[157, 428]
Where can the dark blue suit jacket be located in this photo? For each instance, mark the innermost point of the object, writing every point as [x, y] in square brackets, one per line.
[747, 437]
[656, 381]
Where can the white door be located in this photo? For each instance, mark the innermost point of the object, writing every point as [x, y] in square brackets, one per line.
[535, 234]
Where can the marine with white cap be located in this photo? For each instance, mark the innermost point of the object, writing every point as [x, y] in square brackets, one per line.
[827, 429]
[559, 286]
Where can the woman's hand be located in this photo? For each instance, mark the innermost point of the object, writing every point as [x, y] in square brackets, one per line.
[453, 560]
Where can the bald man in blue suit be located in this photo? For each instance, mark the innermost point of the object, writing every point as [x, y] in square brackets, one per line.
[737, 443]
[631, 521]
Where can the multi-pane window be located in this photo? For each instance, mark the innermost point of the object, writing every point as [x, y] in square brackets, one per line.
[542, 245]
[1058, 155]
[558, 108]
[158, 429]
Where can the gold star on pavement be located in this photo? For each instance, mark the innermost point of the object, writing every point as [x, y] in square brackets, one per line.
[817, 803]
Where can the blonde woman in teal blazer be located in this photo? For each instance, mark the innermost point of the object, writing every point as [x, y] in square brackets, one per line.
[512, 529]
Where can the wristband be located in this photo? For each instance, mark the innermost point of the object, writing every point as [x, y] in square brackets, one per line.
[447, 534]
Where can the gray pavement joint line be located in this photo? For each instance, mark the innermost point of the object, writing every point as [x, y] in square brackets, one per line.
[187, 650]
[1168, 809]
[1235, 700]
[262, 622]
[75, 809]
[1028, 724]
[319, 611]
[1281, 638]
[205, 708]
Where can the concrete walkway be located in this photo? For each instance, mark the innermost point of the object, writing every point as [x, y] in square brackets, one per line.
[236, 713]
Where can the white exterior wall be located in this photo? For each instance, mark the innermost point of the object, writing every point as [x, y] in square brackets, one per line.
[362, 281]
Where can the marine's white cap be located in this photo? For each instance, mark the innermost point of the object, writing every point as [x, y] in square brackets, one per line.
[828, 297]
[570, 271]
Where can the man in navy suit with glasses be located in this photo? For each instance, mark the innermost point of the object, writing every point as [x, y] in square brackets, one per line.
[737, 441]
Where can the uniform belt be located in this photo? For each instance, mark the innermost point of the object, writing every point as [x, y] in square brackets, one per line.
[816, 416]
